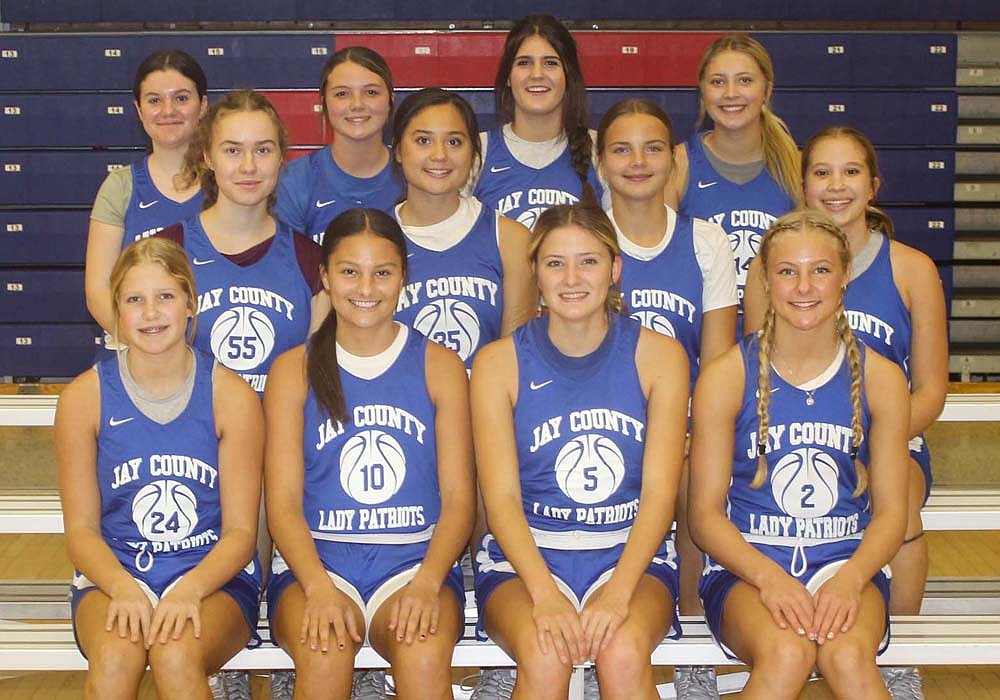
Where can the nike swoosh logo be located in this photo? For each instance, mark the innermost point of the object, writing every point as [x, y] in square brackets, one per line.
[536, 387]
[704, 185]
[147, 205]
[113, 422]
[495, 169]
[196, 261]
[320, 205]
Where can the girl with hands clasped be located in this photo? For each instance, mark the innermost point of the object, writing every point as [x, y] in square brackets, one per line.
[579, 423]
[159, 453]
[798, 458]
[372, 509]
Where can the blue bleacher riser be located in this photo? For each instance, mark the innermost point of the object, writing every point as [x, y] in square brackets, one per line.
[56, 178]
[47, 350]
[197, 10]
[43, 237]
[929, 229]
[42, 296]
[916, 175]
[887, 118]
[48, 62]
[66, 120]
[875, 59]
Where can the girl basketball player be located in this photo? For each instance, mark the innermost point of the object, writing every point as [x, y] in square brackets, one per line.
[356, 170]
[895, 304]
[579, 457]
[259, 282]
[677, 272]
[541, 154]
[798, 457]
[171, 94]
[744, 173]
[371, 514]
[469, 281]
[159, 453]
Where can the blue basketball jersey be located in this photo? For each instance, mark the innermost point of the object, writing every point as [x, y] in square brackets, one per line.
[160, 499]
[579, 444]
[149, 210]
[247, 316]
[745, 211]
[811, 477]
[373, 479]
[876, 312]
[455, 296]
[665, 293]
[521, 192]
[313, 190]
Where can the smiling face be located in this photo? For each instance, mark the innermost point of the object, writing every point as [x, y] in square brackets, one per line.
[575, 272]
[636, 158]
[839, 182]
[435, 151]
[363, 277]
[245, 155]
[357, 102]
[805, 277]
[169, 108]
[734, 90]
[537, 79]
[153, 309]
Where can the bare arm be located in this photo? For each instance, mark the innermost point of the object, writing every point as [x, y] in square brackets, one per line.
[754, 299]
[663, 374]
[104, 243]
[718, 331]
[673, 193]
[494, 393]
[519, 291]
[918, 279]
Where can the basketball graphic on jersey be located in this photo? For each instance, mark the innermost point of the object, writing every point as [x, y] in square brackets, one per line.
[745, 244]
[451, 323]
[242, 338]
[528, 217]
[372, 467]
[589, 468]
[804, 483]
[165, 511]
[655, 322]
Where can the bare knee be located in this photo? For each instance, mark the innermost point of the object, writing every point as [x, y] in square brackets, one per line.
[318, 673]
[624, 659]
[541, 675]
[175, 664]
[787, 656]
[114, 667]
[844, 657]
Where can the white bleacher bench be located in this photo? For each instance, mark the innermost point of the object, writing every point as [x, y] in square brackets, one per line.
[40, 410]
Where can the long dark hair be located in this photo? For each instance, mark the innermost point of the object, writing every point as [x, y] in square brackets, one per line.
[575, 107]
[420, 100]
[322, 368]
[366, 58]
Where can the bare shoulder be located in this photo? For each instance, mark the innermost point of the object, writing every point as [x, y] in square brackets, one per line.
[497, 356]
[443, 365]
[883, 379]
[658, 353]
[81, 396]
[916, 266]
[514, 231]
[723, 378]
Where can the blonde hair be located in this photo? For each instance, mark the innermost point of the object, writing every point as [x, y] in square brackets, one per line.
[196, 170]
[780, 152]
[807, 220]
[169, 256]
[590, 219]
[875, 218]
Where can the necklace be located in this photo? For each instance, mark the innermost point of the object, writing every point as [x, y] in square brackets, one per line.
[809, 397]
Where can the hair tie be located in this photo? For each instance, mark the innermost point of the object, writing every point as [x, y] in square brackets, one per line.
[854, 453]
[761, 449]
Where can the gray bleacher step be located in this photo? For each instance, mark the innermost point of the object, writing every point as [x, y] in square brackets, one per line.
[980, 276]
[977, 163]
[975, 303]
[974, 330]
[980, 219]
[977, 76]
[979, 48]
[979, 107]
[968, 359]
[978, 245]
[977, 191]
[978, 134]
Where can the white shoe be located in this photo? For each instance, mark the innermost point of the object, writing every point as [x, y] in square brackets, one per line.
[368, 685]
[494, 684]
[696, 683]
[282, 685]
[903, 682]
[591, 688]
